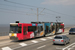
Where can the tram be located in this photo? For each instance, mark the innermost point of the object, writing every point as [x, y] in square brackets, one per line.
[22, 31]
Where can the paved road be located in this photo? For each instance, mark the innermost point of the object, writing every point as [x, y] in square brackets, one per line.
[48, 45]
[43, 43]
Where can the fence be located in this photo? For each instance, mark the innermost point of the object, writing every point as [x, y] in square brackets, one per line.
[4, 33]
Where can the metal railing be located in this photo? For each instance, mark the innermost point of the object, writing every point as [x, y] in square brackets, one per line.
[4, 33]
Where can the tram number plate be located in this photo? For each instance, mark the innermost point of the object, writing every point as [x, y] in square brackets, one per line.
[12, 34]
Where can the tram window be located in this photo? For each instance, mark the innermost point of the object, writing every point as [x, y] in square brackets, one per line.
[47, 29]
[15, 29]
[57, 27]
[61, 26]
[19, 29]
[41, 28]
[53, 27]
[31, 28]
[24, 30]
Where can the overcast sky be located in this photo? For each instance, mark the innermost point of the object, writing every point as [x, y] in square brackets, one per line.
[26, 11]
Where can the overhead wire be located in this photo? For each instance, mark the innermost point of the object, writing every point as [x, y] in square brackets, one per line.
[59, 13]
[37, 7]
[13, 10]
[19, 3]
[16, 13]
[14, 6]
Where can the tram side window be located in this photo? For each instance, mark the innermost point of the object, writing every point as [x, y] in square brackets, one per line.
[31, 28]
[57, 27]
[41, 28]
[53, 27]
[24, 30]
[61, 26]
[19, 29]
[47, 29]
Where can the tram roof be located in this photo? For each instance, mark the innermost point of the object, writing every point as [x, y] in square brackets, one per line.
[47, 22]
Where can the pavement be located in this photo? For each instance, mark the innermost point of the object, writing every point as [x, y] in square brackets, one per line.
[4, 37]
[48, 45]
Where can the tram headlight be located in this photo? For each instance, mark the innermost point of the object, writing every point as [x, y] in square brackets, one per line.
[10, 34]
[15, 35]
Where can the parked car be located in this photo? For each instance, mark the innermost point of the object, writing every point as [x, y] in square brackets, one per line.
[72, 31]
[61, 39]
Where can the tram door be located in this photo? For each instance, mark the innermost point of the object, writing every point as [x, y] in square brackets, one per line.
[52, 28]
[24, 32]
[47, 30]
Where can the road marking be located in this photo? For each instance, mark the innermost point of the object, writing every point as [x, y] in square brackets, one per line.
[65, 34]
[71, 47]
[22, 44]
[50, 37]
[6, 48]
[43, 39]
[58, 48]
[41, 46]
[34, 41]
[68, 46]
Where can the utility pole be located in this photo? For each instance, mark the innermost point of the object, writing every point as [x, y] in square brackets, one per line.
[37, 14]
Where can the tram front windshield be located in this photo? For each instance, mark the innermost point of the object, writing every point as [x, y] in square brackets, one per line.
[15, 29]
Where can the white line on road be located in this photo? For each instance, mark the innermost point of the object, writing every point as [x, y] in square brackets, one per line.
[41, 46]
[64, 34]
[71, 47]
[43, 39]
[22, 44]
[6, 48]
[50, 37]
[34, 41]
[68, 46]
[58, 48]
